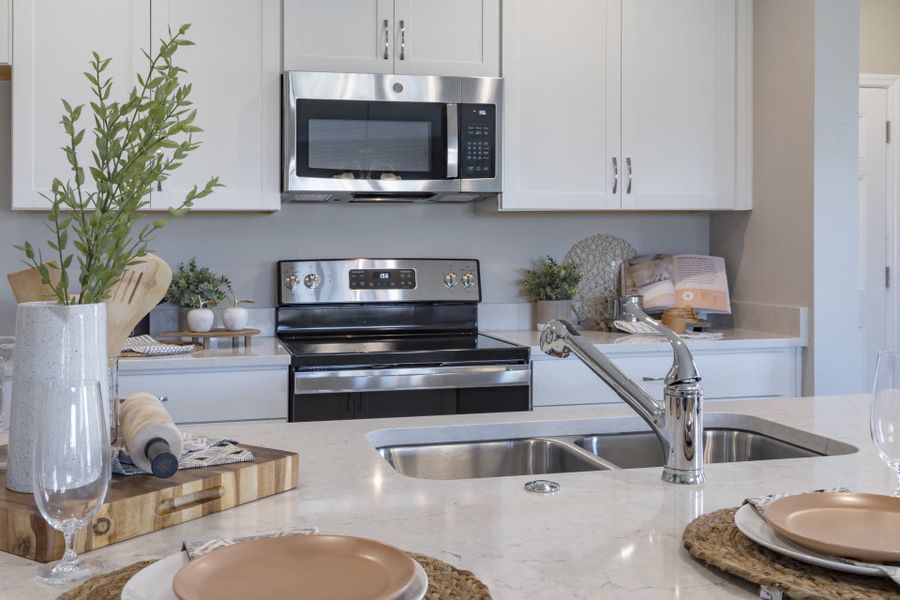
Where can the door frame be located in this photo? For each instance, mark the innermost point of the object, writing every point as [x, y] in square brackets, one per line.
[891, 83]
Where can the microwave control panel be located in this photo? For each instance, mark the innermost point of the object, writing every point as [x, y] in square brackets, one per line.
[477, 141]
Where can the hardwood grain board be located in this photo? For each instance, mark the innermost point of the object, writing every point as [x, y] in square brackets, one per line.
[138, 505]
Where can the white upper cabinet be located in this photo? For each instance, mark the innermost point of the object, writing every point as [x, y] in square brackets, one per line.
[560, 71]
[626, 105]
[420, 37]
[5, 32]
[436, 37]
[52, 44]
[678, 104]
[234, 69]
[354, 36]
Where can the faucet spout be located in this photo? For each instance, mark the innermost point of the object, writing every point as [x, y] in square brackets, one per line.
[677, 421]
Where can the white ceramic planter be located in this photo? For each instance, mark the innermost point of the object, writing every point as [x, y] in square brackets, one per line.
[200, 320]
[235, 318]
[52, 342]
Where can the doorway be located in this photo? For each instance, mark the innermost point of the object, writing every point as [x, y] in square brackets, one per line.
[877, 219]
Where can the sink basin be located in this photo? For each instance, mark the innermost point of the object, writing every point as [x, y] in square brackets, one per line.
[634, 450]
[496, 458]
[544, 447]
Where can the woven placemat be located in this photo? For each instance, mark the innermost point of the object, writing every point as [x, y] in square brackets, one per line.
[445, 582]
[715, 540]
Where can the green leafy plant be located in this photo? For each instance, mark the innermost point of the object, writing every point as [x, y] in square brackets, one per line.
[549, 280]
[138, 142]
[195, 287]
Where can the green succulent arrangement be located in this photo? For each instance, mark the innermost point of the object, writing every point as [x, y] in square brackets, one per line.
[138, 142]
[549, 280]
[196, 287]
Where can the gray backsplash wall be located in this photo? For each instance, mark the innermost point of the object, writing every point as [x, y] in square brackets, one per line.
[245, 247]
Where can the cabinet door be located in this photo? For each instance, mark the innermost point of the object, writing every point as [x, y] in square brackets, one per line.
[560, 70]
[679, 104]
[53, 43]
[436, 37]
[349, 36]
[235, 70]
[5, 32]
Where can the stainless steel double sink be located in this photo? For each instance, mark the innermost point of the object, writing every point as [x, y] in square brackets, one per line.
[727, 438]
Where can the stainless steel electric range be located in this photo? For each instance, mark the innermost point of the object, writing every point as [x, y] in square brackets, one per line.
[392, 337]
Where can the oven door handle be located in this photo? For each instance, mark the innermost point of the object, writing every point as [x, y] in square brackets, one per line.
[412, 378]
[452, 141]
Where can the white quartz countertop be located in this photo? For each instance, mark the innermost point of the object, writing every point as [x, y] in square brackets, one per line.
[622, 343]
[611, 534]
[263, 352]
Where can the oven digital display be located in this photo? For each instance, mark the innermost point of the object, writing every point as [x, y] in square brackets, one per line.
[382, 279]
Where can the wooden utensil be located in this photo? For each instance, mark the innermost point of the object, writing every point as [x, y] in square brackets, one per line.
[140, 288]
[27, 287]
[861, 526]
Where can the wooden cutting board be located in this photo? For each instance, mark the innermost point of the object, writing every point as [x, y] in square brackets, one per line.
[143, 504]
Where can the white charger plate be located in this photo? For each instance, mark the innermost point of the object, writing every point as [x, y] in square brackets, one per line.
[749, 522]
[154, 582]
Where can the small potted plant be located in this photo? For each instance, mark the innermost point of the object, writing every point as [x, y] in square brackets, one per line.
[196, 287]
[235, 317]
[551, 286]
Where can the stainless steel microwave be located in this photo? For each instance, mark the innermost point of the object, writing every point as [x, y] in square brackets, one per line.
[391, 138]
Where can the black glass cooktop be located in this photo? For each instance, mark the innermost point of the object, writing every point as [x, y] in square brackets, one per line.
[400, 350]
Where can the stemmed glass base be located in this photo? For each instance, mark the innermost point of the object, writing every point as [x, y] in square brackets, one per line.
[64, 572]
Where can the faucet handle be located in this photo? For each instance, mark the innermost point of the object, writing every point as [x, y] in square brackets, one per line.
[683, 370]
[554, 335]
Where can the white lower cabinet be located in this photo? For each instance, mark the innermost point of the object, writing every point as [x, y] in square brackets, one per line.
[214, 395]
[726, 375]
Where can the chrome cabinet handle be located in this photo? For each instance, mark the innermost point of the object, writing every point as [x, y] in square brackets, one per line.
[628, 167]
[615, 163]
[387, 39]
[402, 39]
[163, 398]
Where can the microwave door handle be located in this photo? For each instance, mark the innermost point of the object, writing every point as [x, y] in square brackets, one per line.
[452, 141]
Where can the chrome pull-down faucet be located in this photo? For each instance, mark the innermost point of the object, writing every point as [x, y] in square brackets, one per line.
[677, 421]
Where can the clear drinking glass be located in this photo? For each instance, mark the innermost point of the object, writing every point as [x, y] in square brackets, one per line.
[71, 469]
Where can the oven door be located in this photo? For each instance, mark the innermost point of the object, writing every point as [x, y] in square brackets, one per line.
[407, 392]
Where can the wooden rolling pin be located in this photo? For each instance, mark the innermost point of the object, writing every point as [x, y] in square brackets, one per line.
[151, 438]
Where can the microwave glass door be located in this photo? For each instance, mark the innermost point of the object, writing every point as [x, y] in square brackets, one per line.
[351, 139]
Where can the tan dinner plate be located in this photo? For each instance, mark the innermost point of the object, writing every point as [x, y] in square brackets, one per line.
[301, 566]
[861, 526]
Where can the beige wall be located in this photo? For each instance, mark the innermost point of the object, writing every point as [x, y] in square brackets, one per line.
[879, 48]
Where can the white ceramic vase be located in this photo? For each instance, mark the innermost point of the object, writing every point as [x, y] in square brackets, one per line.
[548, 310]
[200, 320]
[52, 342]
[235, 318]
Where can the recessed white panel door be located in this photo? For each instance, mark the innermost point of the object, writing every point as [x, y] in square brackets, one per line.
[873, 216]
[437, 37]
[345, 36]
[235, 71]
[678, 104]
[561, 137]
[52, 44]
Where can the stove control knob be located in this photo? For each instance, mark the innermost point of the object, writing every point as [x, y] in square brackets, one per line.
[292, 281]
[311, 281]
[450, 279]
[468, 279]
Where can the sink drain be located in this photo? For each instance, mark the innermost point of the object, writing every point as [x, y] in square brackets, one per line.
[542, 486]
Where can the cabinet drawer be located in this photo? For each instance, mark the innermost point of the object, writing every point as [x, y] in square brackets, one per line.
[750, 374]
[214, 396]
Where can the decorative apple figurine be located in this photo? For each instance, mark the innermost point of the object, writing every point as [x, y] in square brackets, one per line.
[235, 317]
[200, 320]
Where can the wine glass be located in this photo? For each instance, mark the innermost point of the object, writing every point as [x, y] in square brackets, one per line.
[71, 469]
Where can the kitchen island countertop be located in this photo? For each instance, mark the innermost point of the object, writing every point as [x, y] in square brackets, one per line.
[611, 534]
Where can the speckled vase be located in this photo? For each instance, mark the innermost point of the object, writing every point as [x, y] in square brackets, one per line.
[52, 342]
